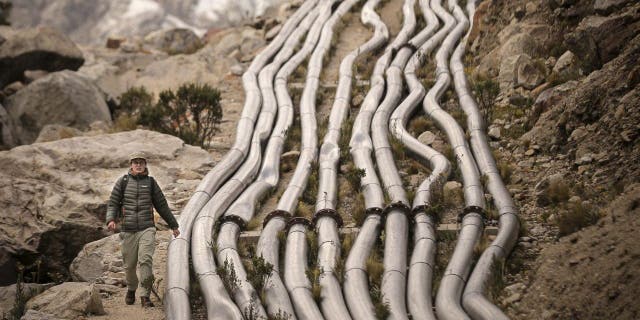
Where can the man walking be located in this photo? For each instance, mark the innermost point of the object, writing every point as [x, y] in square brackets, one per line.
[133, 198]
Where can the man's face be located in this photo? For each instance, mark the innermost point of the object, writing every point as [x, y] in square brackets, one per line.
[138, 166]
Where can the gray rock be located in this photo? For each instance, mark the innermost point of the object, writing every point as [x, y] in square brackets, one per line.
[237, 69]
[597, 40]
[494, 133]
[37, 315]
[519, 70]
[578, 134]
[8, 294]
[586, 159]
[174, 41]
[528, 75]
[427, 138]
[541, 188]
[452, 191]
[273, 32]
[33, 75]
[52, 132]
[607, 6]
[35, 49]
[54, 193]
[68, 300]
[64, 98]
[7, 130]
[566, 63]
[94, 259]
[12, 88]
[512, 298]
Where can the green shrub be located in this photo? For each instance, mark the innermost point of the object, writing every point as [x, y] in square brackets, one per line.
[486, 91]
[192, 113]
[134, 100]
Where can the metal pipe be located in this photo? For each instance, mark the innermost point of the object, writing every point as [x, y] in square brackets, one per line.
[216, 298]
[474, 299]
[420, 271]
[333, 304]
[396, 228]
[276, 295]
[177, 287]
[356, 284]
[244, 207]
[296, 281]
[452, 283]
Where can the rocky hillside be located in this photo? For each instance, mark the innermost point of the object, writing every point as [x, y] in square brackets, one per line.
[564, 127]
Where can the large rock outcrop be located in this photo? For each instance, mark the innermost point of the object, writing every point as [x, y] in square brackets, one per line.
[68, 300]
[35, 49]
[64, 98]
[54, 194]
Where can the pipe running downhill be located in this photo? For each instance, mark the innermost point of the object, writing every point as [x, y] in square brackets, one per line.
[474, 299]
[177, 288]
[449, 294]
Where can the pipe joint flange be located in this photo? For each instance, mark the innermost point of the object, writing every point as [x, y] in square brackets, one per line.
[409, 46]
[298, 220]
[472, 209]
[276, 213]
[426, 209]
[328, 213]
[374, 210]
[401, 206]
[235, 219]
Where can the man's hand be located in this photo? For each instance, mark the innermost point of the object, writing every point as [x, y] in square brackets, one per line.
[176, 233]
[111, 225]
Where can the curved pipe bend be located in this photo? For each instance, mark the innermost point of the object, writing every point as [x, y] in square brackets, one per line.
[177, 299]
[452, 283]
[474, 299]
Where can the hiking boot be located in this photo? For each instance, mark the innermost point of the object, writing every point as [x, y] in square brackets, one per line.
[146, 302]
[130, 298]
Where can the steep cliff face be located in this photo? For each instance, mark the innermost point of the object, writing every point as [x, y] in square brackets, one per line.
[573, 143]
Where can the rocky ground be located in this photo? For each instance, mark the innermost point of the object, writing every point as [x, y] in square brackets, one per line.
[564, 129]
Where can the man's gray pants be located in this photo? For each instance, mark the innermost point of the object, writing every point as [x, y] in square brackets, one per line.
[138, 248]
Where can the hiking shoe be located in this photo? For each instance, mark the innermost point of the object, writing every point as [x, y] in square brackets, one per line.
[130, 298]
[146, 302]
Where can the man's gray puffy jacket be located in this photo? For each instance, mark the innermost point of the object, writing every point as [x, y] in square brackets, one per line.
[137, 201]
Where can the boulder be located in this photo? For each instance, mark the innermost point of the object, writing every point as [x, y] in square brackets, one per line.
[519, 71]
[549, 98]
[597, 40]
[54, 193]
[541, 189]
[567, 63]
[37, 315]
[174, 41]
[520, 43]
[8, 294]
[607, 6]
[427, 138]
[101, 262]
[35, 49]
[7, 131]
[199, 68]
[52, 132]
[63, 98]
[68, 300]
[452, 192]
